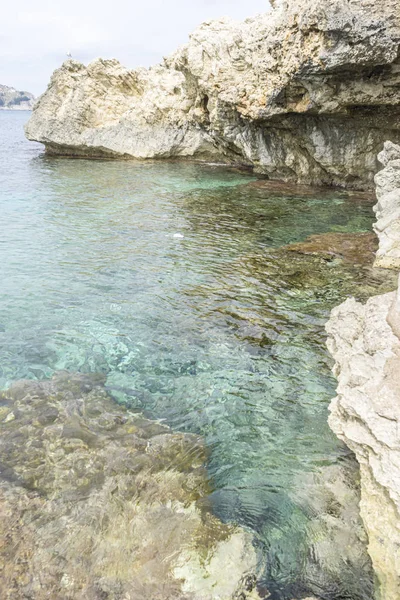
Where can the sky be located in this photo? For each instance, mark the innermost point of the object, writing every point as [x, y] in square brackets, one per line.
[36, 35]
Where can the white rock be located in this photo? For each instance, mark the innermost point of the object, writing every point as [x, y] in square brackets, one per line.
[366, 416]
[387, 210]
[365, 343]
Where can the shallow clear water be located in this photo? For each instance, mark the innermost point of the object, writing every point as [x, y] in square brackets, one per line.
[216, 330]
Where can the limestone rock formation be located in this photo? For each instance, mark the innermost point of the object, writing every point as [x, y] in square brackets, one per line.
[97, 502]
[366, 416]
[12, 99]
[365, 343]
[307, 92]
[387, 210]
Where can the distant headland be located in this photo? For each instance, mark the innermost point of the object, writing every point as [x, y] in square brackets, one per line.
[11, 99]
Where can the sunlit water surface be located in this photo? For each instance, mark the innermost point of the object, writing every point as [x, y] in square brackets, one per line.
[169, 278]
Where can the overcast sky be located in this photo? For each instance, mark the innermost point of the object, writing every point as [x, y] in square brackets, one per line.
[36, 34]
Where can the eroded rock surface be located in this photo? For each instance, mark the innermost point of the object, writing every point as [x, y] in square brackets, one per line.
[365, 343]
[307, 92]
[100, 503]
[366, 416]
[387, 210]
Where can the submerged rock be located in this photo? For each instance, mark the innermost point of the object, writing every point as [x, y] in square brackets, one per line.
[307, 92]
[337, 540]
[355, 248]
[98, 502]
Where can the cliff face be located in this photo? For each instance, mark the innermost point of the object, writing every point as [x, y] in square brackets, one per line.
[11, 99]
[365, 343]
[308, 92]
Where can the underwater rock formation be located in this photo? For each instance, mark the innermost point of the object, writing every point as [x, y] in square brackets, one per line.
[98, 502]
[355, 248]
[365, 343]
[308, 93]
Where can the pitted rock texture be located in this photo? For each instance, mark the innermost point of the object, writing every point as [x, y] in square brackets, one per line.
[387, 210]
[100, 503]
[306, 93]
[364, 340]
[366, 416]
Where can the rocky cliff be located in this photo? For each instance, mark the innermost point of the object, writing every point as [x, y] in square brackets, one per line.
[307, 92]
[365, 343]
[11, 99]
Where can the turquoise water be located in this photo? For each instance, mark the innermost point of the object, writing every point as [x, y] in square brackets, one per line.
[171, 279]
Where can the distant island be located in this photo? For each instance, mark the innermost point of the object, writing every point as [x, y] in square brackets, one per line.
[11, 99]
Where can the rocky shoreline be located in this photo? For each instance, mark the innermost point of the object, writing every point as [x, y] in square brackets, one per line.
[364, 340]
[306, 93]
